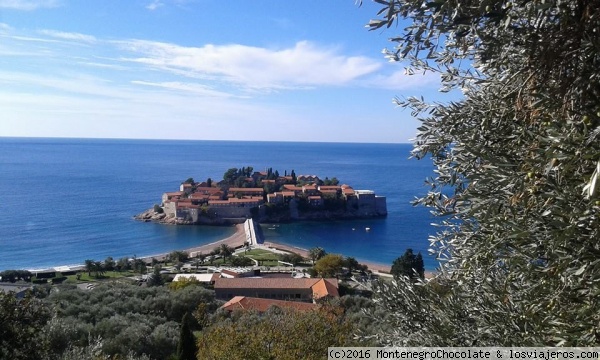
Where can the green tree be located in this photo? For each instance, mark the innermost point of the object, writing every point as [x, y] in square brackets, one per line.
[292, 258]
[351, 263]
[316, 253]
[109, 264]
[277, 334]
[156, 279]
[230, 175]
[329, 265]
[517, 165]
[178, 256]
[186, 347]
[90, 266]
[409, 265]
[226, 251]
[98, 268]
[21, 327]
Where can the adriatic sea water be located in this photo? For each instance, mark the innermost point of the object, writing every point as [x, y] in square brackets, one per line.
[63, 201]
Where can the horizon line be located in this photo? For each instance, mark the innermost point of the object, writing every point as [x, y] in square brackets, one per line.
[191, 140]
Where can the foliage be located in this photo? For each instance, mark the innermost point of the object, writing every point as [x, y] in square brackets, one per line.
[241, 261]
[277, 334]
[178, 256]
[15, 275]
[316, 253]
[156, 278]
[21, 324]
[186, 347]
[329, 265]
[292, 258]
[409, 265]
[143, 320]
[351, 263]
[157, 209]
[516, 182]
[225, 251]
[183, 283]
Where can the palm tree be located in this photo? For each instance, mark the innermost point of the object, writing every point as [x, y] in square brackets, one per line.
[89, 266]
[201, 256]
[226, 251]
[98, 268]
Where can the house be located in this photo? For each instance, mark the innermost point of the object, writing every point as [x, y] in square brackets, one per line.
[168, 196]
[262, 305]
[297, 289]
[186, 187]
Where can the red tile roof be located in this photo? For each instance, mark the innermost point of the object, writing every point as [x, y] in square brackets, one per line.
[320, 287]
[246, 190]
[262, 305]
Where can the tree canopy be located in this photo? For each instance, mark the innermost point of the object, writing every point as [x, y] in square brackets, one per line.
[409, 265]
[517, 164]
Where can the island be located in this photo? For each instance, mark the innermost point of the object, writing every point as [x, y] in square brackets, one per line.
[265, 196]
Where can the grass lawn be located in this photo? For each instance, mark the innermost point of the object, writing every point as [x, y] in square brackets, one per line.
[264, 257]
[260, 254]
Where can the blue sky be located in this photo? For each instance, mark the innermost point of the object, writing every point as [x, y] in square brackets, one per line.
[203, 70]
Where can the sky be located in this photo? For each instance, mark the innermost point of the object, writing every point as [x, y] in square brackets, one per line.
[260, 70]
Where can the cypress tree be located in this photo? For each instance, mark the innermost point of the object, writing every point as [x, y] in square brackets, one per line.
[186, 348]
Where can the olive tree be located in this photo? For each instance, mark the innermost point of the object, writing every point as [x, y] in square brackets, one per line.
[517, 163]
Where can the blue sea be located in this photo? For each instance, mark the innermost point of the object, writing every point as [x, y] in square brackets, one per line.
[64, 201]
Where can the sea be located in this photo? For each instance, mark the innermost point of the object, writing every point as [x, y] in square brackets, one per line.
[63, 201]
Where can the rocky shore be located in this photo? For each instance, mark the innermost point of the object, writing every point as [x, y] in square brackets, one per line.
[151, 215]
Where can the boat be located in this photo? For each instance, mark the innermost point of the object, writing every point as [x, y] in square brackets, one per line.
[367, 229]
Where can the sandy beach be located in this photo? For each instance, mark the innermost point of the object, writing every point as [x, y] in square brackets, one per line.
[239, 238]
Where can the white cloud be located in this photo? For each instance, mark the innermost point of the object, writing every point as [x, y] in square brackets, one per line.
[28, 5]
[4, 27]
[154, 5]
[302, 65]
[69, 36]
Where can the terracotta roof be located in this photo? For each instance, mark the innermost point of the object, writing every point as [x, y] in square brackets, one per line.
[246, 190]
[292, 187]
[206, 189]
[320, 287]
[325, 287]
[328, 191]
[174, 193]
[262, 305]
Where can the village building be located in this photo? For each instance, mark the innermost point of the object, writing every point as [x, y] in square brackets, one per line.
[296, 289]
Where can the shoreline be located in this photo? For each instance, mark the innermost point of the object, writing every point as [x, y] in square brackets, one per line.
[237, 239]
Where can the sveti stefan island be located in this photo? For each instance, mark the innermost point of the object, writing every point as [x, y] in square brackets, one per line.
[266, 196]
